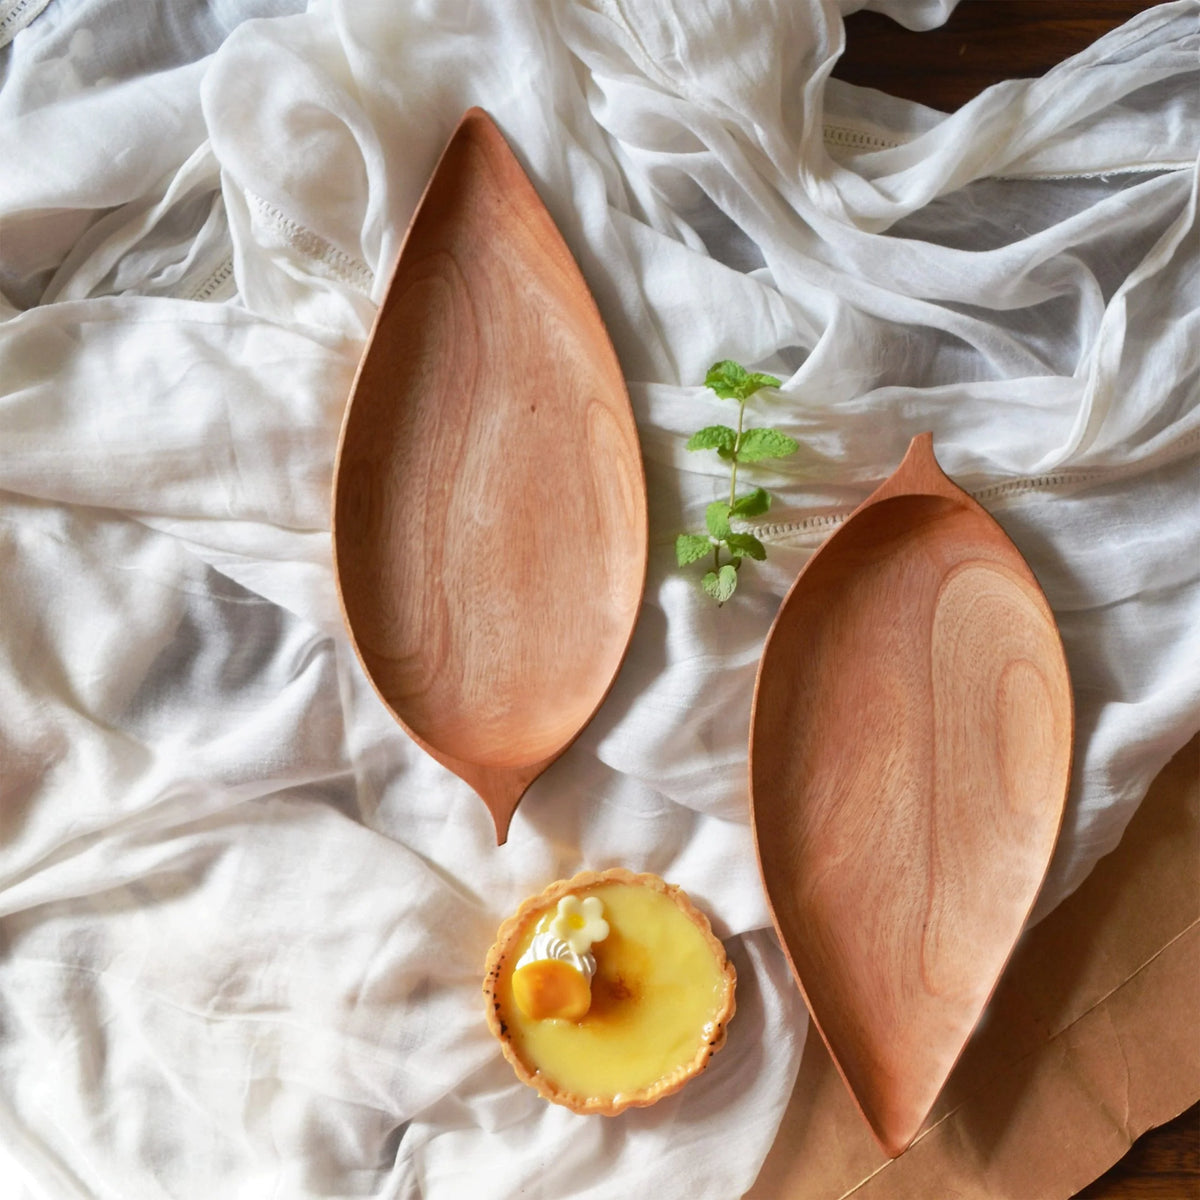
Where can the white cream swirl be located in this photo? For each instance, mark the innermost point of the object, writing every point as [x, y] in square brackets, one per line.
[546, 946]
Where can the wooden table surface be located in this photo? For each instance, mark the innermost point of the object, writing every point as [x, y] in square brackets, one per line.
[985, 42]
[1163, 1164]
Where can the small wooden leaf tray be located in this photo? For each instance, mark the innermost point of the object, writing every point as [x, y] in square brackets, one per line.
[489, 509]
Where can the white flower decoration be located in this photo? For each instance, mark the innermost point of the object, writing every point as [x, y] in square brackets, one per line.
[579, 923]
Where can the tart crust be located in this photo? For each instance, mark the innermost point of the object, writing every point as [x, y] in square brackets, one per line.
[530, 910]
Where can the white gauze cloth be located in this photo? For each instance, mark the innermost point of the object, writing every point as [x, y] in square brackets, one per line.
[242, 917]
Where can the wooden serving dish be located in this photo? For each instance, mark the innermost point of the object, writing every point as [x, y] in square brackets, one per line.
[910, 751]
[489, 508]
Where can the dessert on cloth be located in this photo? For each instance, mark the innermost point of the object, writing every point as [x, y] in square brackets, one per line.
[608, 991]
[242, 916]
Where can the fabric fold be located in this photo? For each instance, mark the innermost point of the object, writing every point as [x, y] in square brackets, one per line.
[242, 916]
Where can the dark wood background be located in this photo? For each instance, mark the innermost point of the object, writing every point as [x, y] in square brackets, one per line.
[1164, 1164]
[985, 42]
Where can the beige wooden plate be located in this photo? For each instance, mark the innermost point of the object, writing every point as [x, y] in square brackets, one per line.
[489, 512]
[910, 750]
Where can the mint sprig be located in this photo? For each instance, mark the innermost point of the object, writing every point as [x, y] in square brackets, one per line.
[731, 381]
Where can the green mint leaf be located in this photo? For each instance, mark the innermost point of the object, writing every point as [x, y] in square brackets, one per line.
[728, 379]
[747, 544]
[752, 504]
[758, 380]
[720, 585]
[716, 518]
[757, 444]
[713, 437]
[731, 381]
[691, 546]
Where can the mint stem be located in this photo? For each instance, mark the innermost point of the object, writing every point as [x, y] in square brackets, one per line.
[737, 441]
[733, 461]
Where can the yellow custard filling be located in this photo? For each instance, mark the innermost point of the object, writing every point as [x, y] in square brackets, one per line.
[657, 995]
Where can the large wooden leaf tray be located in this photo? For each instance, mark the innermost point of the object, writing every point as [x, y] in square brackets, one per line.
[909, 759]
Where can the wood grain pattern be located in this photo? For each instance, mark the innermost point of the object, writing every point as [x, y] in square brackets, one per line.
[909, 757]
[490, 526]
[982, 43]
[1163, 1164]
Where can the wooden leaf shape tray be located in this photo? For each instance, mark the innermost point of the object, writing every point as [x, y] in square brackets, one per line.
[489, 510]
[910, 750]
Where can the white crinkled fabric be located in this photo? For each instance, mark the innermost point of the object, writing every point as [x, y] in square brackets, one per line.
[242, 917]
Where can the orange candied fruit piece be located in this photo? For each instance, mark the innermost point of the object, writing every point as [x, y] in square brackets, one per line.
[551, 990]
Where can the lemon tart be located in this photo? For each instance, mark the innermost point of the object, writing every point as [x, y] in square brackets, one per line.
[608, 991]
